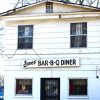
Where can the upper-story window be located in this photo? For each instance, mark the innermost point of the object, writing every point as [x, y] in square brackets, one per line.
[78, 35]
[25, 36]
[49, 7]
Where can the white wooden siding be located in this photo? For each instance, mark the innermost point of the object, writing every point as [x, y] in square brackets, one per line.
[51, 38]
[41, 9]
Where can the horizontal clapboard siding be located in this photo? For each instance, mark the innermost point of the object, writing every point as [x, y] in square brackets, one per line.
[51, 40]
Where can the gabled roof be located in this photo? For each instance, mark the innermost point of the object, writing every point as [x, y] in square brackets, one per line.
[39, 2]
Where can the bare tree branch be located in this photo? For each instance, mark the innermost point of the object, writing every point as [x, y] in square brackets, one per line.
[1, 80]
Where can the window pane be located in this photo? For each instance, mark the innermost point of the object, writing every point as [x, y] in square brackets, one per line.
[25, 30]
[25, 45]
[78, 41]
[21, 45]
[20, 31]
[24, 86]
[84, 25]
[29, 30]
[78, 28]
[78, 87]
[84, 28]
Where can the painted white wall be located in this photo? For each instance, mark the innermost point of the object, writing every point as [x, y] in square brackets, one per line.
[58, 7]
[51, 37]
[93, 83]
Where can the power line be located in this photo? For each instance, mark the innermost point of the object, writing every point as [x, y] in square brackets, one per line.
[36, 53]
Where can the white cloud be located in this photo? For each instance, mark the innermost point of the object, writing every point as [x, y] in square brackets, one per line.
[10, 4]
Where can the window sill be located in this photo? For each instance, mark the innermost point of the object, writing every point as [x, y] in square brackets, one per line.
[78, 47]
[78, 97]
[24, 48]
[23, 96]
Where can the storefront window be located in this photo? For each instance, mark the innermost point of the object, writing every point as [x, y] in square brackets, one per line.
[77, 86]
[23, 86]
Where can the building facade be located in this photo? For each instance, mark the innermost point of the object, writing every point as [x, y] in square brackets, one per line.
[52, 52]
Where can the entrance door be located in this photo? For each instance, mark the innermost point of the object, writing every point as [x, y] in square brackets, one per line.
[50, 88]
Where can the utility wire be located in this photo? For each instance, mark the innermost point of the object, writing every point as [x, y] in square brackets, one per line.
[10, 57]
[36, 53]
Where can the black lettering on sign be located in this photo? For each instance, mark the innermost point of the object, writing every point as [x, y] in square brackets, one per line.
[74, 62]
[57, 62]
[27, 63]
[62, 62]
[39, 62]
[46, 62]
[67, 62]
[51, 62]
[71, 62]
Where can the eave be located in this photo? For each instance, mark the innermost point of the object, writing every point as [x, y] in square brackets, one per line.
[52, 16]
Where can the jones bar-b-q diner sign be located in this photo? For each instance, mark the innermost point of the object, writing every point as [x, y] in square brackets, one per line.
[51, 63]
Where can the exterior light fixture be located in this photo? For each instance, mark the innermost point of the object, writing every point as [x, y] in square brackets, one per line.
[96, 72]
[59, 16]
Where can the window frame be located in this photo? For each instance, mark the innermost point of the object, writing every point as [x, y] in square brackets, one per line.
[24, 37]
[83, 35]
[77, 96]
[23, 95]
[49, 7]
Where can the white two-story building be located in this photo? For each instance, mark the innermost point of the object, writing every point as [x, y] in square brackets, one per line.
[52, 52]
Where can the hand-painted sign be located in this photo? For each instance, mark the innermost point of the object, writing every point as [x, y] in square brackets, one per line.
[51, 63]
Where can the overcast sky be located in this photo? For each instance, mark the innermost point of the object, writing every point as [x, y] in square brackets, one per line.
[10, 4]
[7, 4]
